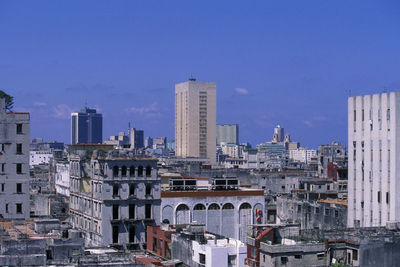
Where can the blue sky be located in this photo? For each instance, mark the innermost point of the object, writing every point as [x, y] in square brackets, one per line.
[275, 62]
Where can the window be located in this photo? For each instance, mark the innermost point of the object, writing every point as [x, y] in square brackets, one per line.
[355, 255]
[132, 189]
[320, 256]
[202, 258]
[123, 171]
[19, 168]
[387, 197]
[148, 211]
[148, 189]
[326, 212]
[6, 208]
[132, 171]
[2, 187]
[3, 167]
[140, 171]
[155, 244]
[115, 234]
[19, 128]
[148, 171]
[298, 256]
[132, 234]
[115, 171]
[379, 196]
[19, 208]
[115, 212]
[231, 259]
[19, 149]
[131, 211]
[336, 213]
[284, 260]
[19, 188]
[115, 190]
[2, 147]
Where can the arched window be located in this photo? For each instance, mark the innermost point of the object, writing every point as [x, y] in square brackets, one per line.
[132, 171]
[182, 207]
[132, 189]
[115, 171]
[228, 206]
[214, 206]
[140, 171]
[148, 171]
[123, 171]
[199, 207]
[148, 189]
[245, 206]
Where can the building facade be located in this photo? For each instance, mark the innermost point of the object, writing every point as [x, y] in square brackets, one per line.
[86, 127]
[14, 163]
[114, 199]
[195, 119]
[373, 165]
[227, 133]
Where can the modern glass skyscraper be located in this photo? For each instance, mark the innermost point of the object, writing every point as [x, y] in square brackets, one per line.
[86, 127]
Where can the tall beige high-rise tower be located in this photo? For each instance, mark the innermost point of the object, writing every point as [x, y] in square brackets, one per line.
[195, 119]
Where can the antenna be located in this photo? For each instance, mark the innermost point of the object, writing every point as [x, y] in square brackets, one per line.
[129, 128]
[384, 90]
[192, 79]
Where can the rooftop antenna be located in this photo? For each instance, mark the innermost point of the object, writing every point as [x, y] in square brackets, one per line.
[129, 128]
[384, 90]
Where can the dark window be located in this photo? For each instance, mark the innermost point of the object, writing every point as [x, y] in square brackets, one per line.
[115, 212]
[19, 188]
[284, 260]
[132, 171]
[148, 211]
[2, 187]
[132, 234]
[336, 213]
[49, 254]
[140, 171]
[19, 168]
[326, 212]
[3, 147]
[6, 208]
[115, 190]
[355, 255]
[19, 128]
[123, 171]
[19, 208]
[115, 171]
[2, 167]
[115, 234]
[131, 189]
[148, 171]
[387, 197]
[131, 211]
[148, 189]
[19, 148]
[155, 244]
[379, 196]
[298, 256]
[202, 258]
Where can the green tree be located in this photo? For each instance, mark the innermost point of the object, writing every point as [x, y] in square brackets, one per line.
[9, 100]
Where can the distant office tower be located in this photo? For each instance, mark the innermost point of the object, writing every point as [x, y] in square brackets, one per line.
[86, 127]
[227, 133]
[160, 142]
[374, 169]
[137, 138]
[278, 134]
[195, 119]
[14, 164]
[148, 142]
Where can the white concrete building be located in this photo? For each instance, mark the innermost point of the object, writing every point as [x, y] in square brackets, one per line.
[231, 150]
[302, 154]
[219, 252]
[14, 163]
[62, 181]
[195, 119]
[40, 157]
[374, 164]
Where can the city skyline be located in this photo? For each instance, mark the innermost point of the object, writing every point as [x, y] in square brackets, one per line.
[295, 70]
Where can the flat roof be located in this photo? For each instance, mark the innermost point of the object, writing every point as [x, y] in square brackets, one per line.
[221, 193]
